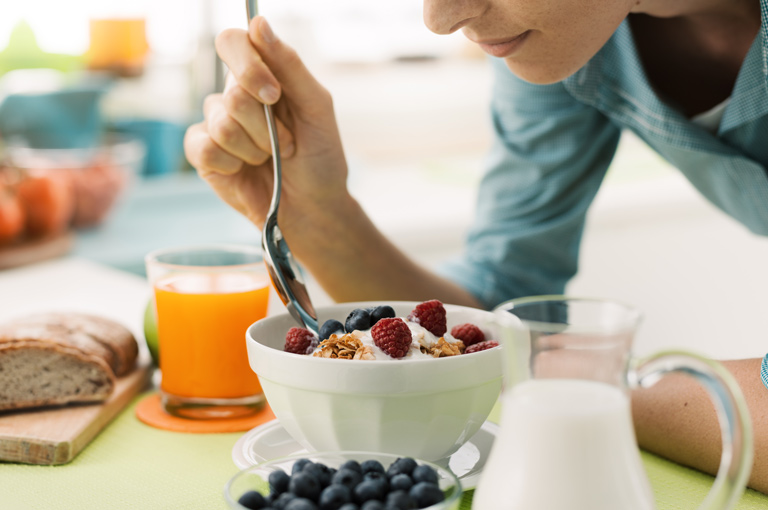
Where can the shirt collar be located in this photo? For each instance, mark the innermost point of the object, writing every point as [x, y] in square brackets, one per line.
[617, 70]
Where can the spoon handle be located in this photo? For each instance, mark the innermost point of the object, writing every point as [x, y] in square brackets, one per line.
[252, 9]
[283, 269]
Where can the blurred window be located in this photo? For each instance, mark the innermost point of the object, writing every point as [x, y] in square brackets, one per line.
[341, 30]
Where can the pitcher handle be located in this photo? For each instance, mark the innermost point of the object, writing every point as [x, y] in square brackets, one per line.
[732, 414]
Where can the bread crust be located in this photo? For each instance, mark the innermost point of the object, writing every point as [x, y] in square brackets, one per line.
[89, 333]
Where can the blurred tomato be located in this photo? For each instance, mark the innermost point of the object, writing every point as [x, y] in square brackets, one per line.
[11, 216]
[96, 188]
[48, 200]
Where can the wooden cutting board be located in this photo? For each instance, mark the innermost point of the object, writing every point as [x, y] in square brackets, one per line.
[57, 435]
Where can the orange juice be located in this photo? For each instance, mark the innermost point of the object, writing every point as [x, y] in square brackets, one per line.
[201, 322]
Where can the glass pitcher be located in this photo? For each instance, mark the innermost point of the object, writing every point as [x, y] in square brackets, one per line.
[566, 440]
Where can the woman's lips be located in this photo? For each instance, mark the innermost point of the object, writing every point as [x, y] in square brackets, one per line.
[506, 48]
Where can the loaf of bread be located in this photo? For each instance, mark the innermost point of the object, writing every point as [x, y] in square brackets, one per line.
[58, 358]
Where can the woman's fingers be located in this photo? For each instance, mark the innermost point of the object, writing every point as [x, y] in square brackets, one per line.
[249, 114]
[285, 64]
[229, 134]
[205, 155]
[236, 50]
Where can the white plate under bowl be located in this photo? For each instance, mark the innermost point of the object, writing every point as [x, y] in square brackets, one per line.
[270, 441]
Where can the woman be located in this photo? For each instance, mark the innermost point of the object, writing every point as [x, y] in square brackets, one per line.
[690, 77]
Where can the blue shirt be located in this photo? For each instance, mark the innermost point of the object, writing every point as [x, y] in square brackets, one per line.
[553, 144]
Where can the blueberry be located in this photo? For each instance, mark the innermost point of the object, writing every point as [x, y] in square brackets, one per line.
[301, 504]
[299, 465]
[404, 465]
[379, 478]
[330, 327]
[359, 318]
[426, 494]
[381, 312]
[320, 471]
[371, 465]
[399, 500]
[400, 482]
[304, 485]
[373, 505]
[424, 474]
[353, 465]
[282, 500]
[349, 506]
[278, 481]
[252, 500]
[369, 489]
[334, 496]
[347, 477]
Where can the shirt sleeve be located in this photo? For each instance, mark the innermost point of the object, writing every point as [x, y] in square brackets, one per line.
[549, 156]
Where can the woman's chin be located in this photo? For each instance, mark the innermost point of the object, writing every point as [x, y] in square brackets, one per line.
[541, 74]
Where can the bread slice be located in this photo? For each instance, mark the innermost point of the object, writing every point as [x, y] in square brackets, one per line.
[36, 374]
[57, 358]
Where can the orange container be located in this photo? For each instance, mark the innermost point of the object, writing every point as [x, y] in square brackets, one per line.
[118, 44]
[206, 298]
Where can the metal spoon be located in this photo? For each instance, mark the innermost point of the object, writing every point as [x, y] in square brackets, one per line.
[283, 269]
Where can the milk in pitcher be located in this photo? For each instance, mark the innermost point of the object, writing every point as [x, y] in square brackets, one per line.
[564, 444]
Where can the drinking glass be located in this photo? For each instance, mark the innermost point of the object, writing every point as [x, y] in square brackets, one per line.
[206, 297]
[566, 438]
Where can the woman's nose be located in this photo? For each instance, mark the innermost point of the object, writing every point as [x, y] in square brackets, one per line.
[447, 16]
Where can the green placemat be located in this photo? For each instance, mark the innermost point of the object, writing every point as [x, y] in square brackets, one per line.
[131, 465]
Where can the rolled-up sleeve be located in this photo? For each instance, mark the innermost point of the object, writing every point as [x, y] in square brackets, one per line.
[550, 155]
[764, 371]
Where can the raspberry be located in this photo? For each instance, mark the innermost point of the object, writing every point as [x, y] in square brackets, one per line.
[393, 336]
[300, 341]
[431, 316]
[468, 333]
[482, 346]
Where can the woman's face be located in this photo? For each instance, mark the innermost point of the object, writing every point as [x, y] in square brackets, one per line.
[542, 41]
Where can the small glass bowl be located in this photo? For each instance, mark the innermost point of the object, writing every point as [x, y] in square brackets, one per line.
[255, 477]
[89, 180]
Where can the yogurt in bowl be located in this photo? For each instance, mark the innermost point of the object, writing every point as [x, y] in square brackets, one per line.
[419, 406]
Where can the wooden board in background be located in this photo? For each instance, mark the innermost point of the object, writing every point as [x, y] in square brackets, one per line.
[57, 435]
[36, 250]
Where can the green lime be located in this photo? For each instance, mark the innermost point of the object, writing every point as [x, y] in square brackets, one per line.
[150, 331]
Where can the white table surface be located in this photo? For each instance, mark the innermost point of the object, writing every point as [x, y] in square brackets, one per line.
[75, 284]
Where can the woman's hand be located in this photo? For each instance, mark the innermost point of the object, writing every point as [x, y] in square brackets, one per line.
[328, 231]
[231, 149]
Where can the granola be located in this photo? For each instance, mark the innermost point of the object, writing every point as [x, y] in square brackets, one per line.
[442, 349]
[346, 346]
[365, 353]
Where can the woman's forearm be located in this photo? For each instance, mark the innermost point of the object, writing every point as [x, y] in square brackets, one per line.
[676, 420]
[353, 261]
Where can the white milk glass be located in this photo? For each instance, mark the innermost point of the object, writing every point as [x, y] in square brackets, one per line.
[566, 440]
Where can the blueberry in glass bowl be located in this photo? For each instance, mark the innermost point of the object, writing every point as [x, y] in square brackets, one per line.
[344, 481]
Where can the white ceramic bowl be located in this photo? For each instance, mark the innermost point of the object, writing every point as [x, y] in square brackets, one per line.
[419, 408]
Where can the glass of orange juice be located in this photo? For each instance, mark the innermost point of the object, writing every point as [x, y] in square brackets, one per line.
[206, 298]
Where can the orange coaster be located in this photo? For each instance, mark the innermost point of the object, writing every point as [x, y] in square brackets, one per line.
[151, 412]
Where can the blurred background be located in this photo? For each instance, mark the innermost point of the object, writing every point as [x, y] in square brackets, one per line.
[95, 96]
